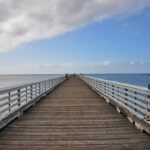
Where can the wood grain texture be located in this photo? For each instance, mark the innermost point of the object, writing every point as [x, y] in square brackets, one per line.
[72, 117]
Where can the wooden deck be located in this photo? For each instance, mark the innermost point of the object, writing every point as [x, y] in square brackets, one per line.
[72, 117]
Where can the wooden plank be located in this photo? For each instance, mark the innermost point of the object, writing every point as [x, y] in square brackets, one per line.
[72, 117]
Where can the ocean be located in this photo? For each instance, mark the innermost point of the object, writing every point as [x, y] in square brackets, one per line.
[134, 79]
[14, 80]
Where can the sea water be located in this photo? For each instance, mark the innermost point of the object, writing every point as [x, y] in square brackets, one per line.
[16, 80]
[134, 79]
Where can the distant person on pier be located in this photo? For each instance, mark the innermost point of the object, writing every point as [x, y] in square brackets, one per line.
[67, 76]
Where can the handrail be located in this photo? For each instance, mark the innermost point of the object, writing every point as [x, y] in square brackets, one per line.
[25, 84]
[135, 99]
[13, 98]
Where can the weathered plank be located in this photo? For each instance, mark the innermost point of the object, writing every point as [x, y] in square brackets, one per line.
[72, 117]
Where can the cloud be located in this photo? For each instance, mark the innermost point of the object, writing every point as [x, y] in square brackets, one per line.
[101, 67]
[23, 21]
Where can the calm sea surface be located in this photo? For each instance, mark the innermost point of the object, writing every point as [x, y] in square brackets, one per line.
[135, 79]
[13, 80]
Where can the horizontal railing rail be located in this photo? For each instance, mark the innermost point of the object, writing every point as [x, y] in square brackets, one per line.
[12, 99]
[134, 98]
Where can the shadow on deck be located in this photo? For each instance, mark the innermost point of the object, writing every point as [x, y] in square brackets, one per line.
[72, 117]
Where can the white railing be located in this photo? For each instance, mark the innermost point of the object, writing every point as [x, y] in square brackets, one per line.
[12, 99]
[133, 98]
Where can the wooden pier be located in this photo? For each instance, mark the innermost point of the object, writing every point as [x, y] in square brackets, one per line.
[72, 117]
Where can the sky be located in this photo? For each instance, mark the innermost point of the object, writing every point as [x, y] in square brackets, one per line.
[63, 36]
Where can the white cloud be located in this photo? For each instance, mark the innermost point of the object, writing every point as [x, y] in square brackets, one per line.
[23, 21]
[136, 62]
[101, 67]
[106, 63]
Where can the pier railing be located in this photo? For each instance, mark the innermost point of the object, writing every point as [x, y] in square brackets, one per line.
[14, 98]
[133, 98]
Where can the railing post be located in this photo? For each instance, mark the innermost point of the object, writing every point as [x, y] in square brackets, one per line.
[104, 87]
[49, 86]
[118, 91]
[26, 94]
[148, 104]
[113, 93]
[9, 94]
[45, 86]
[18, 97]
[96, 85]
[36, 90]
[52, 83]
[126, 90]
[31, 95]
[135, 100]
[39, 88]
[33, 91]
